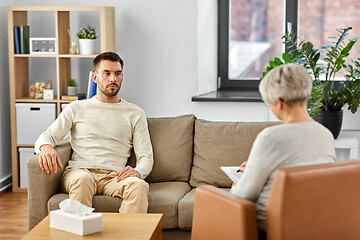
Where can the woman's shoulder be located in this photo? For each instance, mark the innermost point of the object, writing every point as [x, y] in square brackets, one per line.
[295, 129]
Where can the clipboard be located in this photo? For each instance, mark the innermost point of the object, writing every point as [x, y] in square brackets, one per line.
[231, 172]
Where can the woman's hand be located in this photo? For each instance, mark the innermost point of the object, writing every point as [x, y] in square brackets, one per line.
[242, 166]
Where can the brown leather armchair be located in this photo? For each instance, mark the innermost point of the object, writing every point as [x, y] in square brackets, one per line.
[310, 202]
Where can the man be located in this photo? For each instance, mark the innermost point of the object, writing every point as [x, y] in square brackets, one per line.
[104, 129]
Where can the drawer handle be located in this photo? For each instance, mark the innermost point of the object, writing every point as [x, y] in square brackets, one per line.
[34, 109]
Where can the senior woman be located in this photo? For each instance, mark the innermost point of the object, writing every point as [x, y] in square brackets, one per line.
[299, 141]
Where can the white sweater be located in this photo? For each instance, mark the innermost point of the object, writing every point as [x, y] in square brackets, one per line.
[286, 145]
[102, 135]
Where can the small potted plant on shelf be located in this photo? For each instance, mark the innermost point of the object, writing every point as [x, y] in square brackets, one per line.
[72, 87]
[328, 95]
[87, 36]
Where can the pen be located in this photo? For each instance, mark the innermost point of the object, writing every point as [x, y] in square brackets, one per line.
[237, 171]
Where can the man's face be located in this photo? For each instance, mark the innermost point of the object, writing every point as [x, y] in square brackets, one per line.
[109, 77]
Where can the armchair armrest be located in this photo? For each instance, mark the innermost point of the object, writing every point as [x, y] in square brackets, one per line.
[222, 215]
[41, 186]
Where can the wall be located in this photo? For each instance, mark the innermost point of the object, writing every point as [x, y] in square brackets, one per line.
[169, 49]
[5, 147]
[167, 46]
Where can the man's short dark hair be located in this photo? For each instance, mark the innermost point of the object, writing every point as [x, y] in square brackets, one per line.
[110, 56]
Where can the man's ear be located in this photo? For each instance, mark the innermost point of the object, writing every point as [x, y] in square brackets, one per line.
[94, 76]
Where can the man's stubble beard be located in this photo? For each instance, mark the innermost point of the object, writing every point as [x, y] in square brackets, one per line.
[110, 94]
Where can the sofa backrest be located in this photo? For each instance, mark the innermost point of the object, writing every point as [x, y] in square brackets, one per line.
[172, 142]
[219, 144]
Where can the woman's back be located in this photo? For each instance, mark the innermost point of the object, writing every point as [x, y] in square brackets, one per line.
[286, 145]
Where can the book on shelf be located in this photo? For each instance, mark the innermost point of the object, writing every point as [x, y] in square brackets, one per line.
[16, 40]
[73, 97]
[92, 86]
[24, 35]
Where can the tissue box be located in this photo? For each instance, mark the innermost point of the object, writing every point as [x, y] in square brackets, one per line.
[81, 225]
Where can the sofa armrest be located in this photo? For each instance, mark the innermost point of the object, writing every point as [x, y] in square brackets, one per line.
[222, 215]
[41, 186]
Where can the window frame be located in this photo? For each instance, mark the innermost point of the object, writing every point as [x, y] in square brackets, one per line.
[224, 83]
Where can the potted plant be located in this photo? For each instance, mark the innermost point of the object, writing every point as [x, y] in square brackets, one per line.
[328, 95]
[87, 36]
[72, 87]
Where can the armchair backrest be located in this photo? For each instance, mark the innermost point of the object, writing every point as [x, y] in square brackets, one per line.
[315, 202]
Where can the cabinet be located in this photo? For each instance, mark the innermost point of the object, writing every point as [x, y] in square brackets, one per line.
[19, 66]
[346, 148]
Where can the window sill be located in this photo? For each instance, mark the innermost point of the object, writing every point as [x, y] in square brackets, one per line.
[229, 96]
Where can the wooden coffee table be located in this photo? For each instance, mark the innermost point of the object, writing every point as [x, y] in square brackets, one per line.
[115, 226]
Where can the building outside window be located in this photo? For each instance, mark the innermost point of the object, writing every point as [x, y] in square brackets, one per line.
[255, 27]
[319, 19]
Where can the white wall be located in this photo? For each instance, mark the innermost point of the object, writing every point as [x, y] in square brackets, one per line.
[206, 45]
[5, 147]
[169, 49]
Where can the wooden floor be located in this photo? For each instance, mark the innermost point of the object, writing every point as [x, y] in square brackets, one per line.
[13, 215]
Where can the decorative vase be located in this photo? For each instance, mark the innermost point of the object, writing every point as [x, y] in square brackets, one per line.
[331, 120]
[72, 90]
[87, 46]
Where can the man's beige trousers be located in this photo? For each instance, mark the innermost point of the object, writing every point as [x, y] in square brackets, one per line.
[82, 184]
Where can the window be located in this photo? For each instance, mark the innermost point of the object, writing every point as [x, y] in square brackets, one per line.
[250, 33]
[318, 20]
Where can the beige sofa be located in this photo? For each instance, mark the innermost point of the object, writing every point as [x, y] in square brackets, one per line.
[188, 152]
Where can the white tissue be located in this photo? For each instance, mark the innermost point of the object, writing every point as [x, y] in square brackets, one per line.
[75, 207]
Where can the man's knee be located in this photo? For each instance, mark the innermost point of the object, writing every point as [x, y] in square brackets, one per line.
[82, 180]
[137, 185]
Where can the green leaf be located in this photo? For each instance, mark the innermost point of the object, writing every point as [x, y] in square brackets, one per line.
[326, 61]
[316, 57]
[286, 57]
[277, 61]
[354, 104]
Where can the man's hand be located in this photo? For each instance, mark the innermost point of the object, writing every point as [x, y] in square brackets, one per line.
[49, 159]
[127, 172]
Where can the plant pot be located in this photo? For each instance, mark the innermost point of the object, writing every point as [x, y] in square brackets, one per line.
[87, 46]
[72, 90]
[331, 120]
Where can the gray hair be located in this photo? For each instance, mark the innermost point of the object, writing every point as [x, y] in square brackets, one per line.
[289, 82]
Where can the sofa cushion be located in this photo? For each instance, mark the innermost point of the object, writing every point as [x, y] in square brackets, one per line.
[164, 198]
[53, 202]
[186, 209]
[219, 144]
[172, 142]
[100, 203]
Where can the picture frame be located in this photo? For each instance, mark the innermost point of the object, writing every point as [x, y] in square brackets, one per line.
[42, 45]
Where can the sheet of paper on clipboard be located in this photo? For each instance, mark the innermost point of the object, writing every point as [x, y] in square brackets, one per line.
[232, 172]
